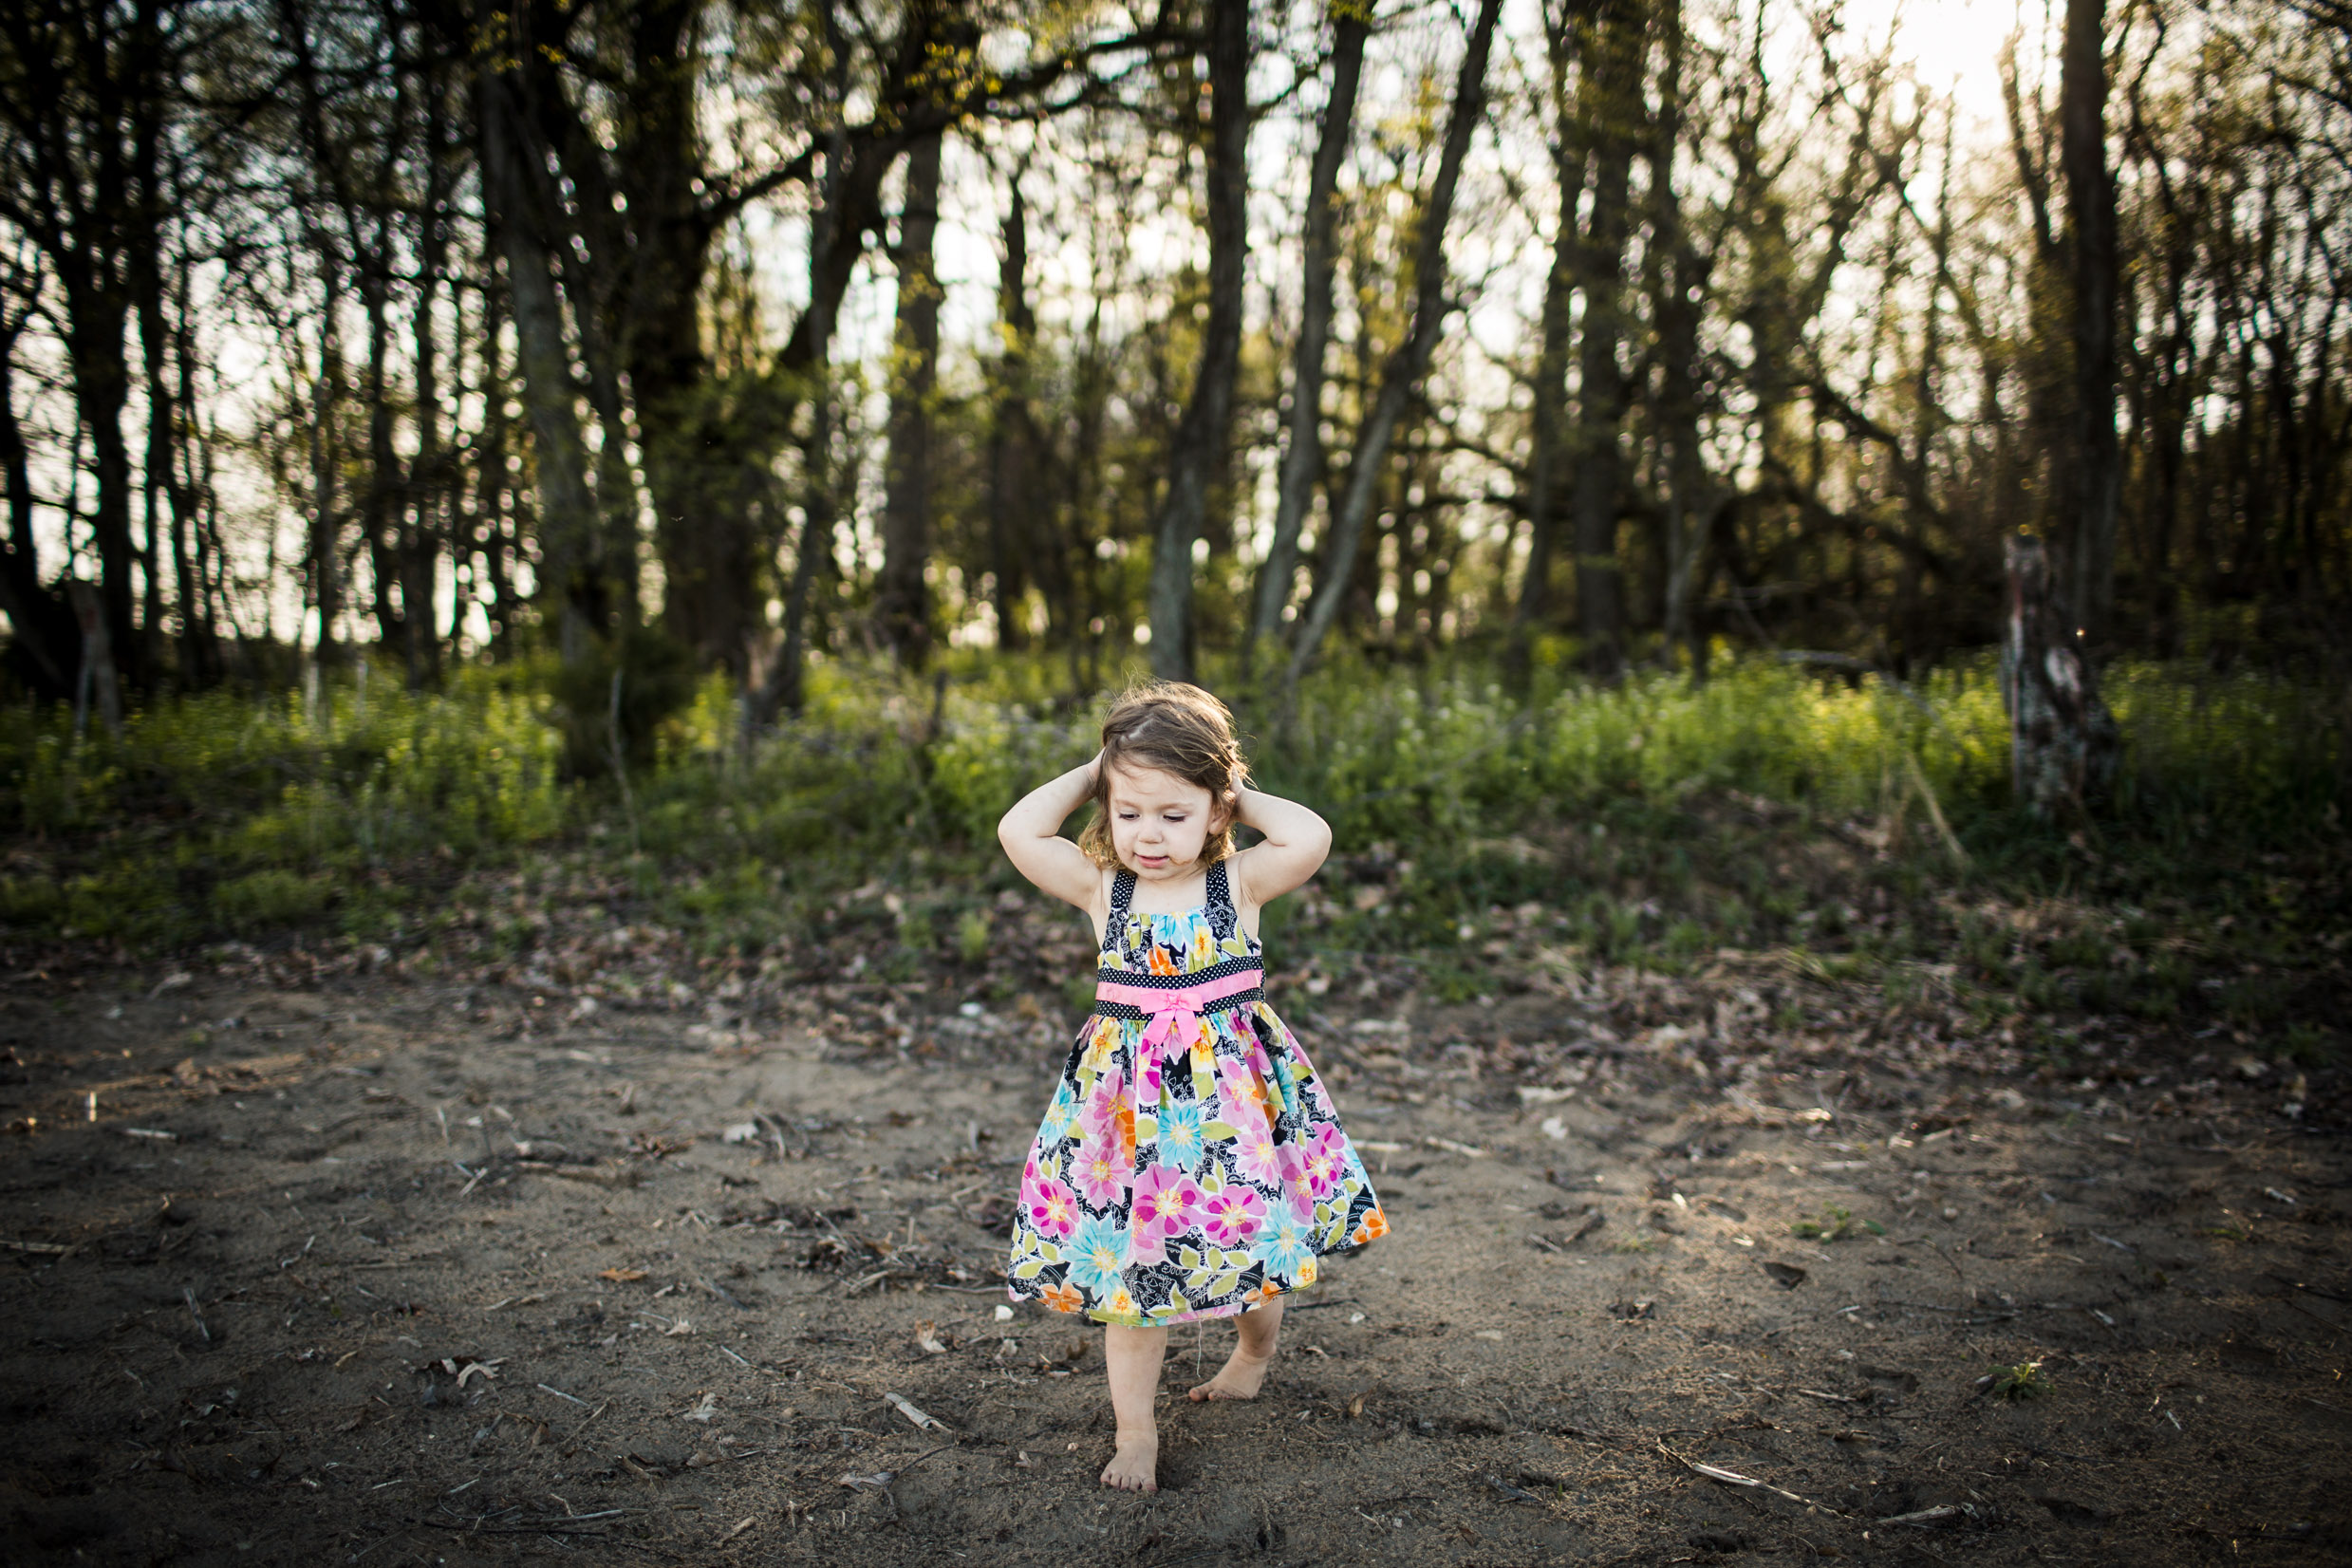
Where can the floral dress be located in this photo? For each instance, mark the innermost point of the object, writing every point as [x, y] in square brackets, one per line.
[1191, 1163]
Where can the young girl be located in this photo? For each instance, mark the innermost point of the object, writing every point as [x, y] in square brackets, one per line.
[1191, 1164]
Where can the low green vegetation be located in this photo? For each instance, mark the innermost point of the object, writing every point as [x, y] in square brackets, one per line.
[1481, 830]
[1833, 1225]
[2019, 1382]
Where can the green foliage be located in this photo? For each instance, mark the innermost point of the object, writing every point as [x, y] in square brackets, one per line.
[641, 685]
[1478, 830]
[2014, 1383]
[221, 813]
[2308, 1044]
[1834, 1224]
[972, 936]
[270, 898]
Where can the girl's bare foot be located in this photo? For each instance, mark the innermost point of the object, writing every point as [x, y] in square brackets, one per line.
[1241, 1377]
[1135, 1464]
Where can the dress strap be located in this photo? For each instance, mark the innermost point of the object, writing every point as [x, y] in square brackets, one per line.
[1115, 925]
[1225, 917]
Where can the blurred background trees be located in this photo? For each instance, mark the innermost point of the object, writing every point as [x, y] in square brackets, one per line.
[654, 339]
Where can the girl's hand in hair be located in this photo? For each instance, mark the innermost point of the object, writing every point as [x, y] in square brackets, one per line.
[1295, 841]
[1031, 835]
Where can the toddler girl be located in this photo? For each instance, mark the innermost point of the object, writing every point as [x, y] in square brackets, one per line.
[1191, 1164]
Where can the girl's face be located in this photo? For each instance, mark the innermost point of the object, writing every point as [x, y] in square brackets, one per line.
[1159, 822]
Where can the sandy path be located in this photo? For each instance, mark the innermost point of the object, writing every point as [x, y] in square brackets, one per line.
[433, 1274]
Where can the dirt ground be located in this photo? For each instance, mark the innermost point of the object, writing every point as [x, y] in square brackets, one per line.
[309, 1262]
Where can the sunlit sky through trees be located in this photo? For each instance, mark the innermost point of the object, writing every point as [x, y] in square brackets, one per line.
[1952, 49]
[1873, 367]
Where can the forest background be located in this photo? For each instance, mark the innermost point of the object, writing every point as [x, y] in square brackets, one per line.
[706, 460]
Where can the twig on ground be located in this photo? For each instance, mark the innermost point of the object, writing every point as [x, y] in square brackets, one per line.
[923, 1420]
[1732, 1477]
[187, 1294]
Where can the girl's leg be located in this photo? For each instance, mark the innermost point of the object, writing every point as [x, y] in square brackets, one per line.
[1133, 1358]
[1246, 1370]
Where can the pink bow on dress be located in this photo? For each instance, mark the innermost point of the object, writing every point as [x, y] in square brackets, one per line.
[1175, 1024]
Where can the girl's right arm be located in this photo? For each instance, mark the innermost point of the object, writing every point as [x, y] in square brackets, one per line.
[1031, 833]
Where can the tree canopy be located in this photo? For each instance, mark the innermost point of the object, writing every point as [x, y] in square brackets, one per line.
[665, 336]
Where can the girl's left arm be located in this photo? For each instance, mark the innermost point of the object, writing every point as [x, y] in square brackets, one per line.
[1031, 833]
[1296, 842]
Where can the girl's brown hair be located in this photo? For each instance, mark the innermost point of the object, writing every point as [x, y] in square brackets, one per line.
[1178, 729]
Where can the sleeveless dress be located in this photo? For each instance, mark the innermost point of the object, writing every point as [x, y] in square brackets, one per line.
[1191, 1164]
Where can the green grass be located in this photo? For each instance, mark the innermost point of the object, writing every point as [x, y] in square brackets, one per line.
[1480, 830]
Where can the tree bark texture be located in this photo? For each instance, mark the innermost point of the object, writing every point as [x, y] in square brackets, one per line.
[1547, 435]
[380, 503]
[427, 508]
[2062, 741]
[1401, 375]
[1197, 453]
[99, 681]
[1016, 545]
[808, 360]
[901, 597]
[568, 566]
[1679, 279]
[322, 548]
[46, 648]
[1612, 115]
[2096, 481]
[1303, 460]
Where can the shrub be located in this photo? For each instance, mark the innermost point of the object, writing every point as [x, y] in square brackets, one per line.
[1632, 814]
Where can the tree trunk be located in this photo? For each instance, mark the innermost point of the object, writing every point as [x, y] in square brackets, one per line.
[496, 535]
[655, 257]
[1611, 110]
[1402, 374]
[1015, 548]
[1302, 462]
[808, 356]
[902, 599]
[2097, 476]
[2062, 741]
[1681, 276]
[1086, 619]
[427, 506]
[569, 568]
[1197, 455]
[96, 317]
[379, 517]
[199, 638]
[98, 680]
[1547, 435]
[46, 648]
[322, 552]
[143, 270]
